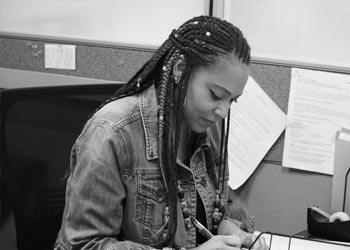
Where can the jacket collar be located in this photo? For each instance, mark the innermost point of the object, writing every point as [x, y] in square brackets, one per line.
[149, 115]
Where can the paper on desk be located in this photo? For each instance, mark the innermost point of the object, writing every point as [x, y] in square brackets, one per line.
[319, 104]
[285, 242]
[305, 244]
[256, 123]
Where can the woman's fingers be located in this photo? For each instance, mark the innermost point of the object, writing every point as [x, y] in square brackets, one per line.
[232, 240]
[222, 242]
[247, 240]
[260, 244]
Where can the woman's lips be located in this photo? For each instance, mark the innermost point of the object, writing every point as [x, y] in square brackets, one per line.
[208, 123]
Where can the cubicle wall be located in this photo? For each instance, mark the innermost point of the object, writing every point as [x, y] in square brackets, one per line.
[277, 197]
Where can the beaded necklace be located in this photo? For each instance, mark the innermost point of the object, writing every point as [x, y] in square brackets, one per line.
[217, 214]
[218, 204]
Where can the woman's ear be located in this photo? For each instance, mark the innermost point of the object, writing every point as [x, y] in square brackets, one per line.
[179, 68]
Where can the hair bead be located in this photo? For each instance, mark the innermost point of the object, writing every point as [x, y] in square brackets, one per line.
[188, 223]
[138, 83]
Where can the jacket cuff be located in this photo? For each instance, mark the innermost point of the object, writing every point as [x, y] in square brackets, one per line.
[241, 217]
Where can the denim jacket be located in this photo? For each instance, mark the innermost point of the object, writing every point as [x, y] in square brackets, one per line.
[116, 194]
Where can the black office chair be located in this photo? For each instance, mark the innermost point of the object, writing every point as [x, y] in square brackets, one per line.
[38, 129]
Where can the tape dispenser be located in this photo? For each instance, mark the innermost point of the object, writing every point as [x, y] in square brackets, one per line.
[331, 227]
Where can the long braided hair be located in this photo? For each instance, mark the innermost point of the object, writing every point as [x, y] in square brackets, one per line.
[201, 41]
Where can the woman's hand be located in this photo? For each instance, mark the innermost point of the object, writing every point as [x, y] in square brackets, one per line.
[221, 242]
[228, 227]
[260, 244]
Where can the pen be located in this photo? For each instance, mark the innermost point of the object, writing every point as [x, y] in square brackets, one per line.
[205, 232]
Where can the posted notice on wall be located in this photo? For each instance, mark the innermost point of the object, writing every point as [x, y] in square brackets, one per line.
[60, 56]
[319, 105]
[256, 122]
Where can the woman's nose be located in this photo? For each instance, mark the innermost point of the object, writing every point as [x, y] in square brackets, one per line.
[222, 110]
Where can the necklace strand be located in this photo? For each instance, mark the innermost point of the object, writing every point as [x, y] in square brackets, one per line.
[217, 213]
[183, 204]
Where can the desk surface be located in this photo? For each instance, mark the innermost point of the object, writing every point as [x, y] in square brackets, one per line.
[15, 78]
[306, 235]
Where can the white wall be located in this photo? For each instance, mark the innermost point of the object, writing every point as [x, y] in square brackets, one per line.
[300, 32]
[132, 22]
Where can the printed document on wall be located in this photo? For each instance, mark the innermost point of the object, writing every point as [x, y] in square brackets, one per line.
[256, 122]
[319, 105]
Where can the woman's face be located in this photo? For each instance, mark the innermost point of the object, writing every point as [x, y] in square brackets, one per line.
[210, 93]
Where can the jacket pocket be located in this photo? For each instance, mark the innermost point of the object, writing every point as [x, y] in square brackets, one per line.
[150, 201]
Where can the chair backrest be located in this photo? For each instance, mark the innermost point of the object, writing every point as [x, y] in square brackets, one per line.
[38, 129]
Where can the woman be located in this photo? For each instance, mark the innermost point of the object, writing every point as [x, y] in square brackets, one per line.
[151, 162]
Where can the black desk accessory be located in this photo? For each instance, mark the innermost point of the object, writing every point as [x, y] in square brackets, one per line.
[319, 225]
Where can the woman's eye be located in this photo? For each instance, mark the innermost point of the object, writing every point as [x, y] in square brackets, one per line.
[214, 96]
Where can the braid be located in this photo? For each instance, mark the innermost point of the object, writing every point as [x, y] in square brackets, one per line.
[167, 139]
[223, 138]
[224, 161]
[209, 37]
[202, 41]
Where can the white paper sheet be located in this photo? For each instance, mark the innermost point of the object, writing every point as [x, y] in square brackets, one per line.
[304, 244]
[319, 104]
[256, 123]
[277, 241]
[60, 56]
